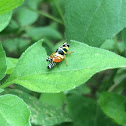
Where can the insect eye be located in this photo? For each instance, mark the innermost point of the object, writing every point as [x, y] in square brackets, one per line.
[65, 44]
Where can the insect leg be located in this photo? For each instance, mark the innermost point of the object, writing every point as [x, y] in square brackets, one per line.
[69, 52]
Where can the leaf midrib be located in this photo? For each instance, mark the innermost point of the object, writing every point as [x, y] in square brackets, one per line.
[18, 78]
[93, 18]
[5, 119]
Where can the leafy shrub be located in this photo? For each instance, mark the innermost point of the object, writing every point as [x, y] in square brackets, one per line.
[90, 90]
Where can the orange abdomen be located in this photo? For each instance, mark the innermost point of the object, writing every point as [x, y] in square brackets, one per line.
[57, 59]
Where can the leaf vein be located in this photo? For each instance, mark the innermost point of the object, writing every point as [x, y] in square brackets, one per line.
[93, 18]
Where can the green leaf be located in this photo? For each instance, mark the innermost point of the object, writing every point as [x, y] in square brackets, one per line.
[81, 90]
[31, 70]
[40, 32]
[15, 46]
[13, 27]
[48, 44]
[85, 112]
[11, 63]
[55, 99]
[3, 65]
[120, 76]
[109, 45]
[4, 20]
[58, 8]
[114, 106]
[25, 16]
[13, 111]
[124, 37]
[1, 90]
[41, 113]
[94, 22]
[8, 5]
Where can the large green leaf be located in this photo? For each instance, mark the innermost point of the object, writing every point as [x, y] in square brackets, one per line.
[41, 113]
[3, 65]
[4, 20]
[114, 106]
[94, 22]
[8, 5]
[13, 111]
[31, 70]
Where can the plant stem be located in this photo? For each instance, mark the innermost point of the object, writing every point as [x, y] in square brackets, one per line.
[47, 15]
[112, 87]
[4, 85]
[111, 81]
[58, 9]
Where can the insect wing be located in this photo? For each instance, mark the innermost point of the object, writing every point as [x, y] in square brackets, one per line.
[57, 59]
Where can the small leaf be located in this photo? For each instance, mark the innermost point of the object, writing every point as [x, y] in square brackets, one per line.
[8, 5]
[15, 46]
[26, 16]
[108, 45]
[3, 65]
[114, 106]
[31, 70]
[41, 113]
[94, 22]
[11, 63]
[13, 111]
[12, 27]
[1, 90]
[47, 32]
[4, 20]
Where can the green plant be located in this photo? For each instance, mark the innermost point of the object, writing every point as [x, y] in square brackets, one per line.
[90, 90]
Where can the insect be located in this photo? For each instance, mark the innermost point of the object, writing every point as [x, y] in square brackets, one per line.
[59, 55]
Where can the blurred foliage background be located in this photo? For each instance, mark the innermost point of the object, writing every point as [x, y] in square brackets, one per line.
[43, 19]
[32, 21]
